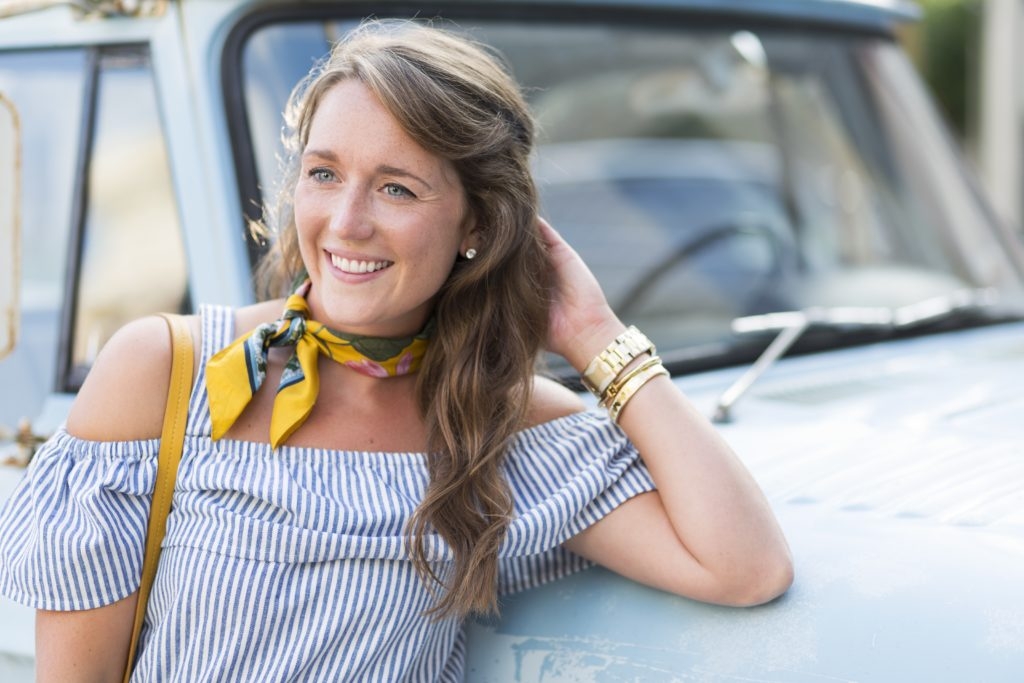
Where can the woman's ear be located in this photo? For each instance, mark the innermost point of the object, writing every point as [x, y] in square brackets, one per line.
[470, 243]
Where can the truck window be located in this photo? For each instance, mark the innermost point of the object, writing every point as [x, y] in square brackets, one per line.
[100, 235]
[704, 173]
[131, 259]
[46, 88]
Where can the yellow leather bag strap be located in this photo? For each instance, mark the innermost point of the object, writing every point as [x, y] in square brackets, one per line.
[172, 439]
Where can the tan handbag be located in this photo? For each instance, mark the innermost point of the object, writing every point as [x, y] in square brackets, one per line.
[172, 439]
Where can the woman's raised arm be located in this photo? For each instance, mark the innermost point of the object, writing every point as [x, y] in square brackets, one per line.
[708, 532]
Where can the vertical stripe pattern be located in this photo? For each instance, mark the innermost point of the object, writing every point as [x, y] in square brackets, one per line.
[288, 563]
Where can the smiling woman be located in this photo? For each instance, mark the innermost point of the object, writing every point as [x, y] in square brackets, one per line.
[379, 219]
[410, 468]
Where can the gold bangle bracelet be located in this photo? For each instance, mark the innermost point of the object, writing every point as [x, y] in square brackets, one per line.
[606, 366]
[615, 387]
[633, 384]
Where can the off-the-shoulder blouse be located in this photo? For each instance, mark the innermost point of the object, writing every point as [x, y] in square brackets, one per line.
[288, 564]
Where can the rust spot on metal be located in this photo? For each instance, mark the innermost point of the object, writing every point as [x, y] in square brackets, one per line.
[87, 9]
[25, 441]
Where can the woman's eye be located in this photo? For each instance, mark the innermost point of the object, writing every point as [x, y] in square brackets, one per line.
[321, 175]
[396, 190]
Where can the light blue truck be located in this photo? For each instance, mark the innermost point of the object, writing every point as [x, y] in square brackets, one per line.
[763, 186]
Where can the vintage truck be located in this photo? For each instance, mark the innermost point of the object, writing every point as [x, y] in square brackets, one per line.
[762, 186]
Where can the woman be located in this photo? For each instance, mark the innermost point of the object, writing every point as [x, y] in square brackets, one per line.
[410, 466]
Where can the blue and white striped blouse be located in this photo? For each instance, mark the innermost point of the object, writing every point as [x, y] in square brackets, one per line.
[288, 564]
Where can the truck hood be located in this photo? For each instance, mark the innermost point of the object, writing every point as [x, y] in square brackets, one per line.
[928, 429]
[897, 473]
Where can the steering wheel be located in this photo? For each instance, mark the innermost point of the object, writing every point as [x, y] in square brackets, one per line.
[698, 243]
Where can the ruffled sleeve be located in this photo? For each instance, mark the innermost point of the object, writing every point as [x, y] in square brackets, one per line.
[72, 532]
[565, 475]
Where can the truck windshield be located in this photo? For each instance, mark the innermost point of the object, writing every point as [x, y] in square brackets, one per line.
[711, 174]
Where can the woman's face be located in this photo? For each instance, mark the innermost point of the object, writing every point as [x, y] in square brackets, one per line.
[380, 220]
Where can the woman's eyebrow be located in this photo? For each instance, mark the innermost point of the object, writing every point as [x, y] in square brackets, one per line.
[322, 153]
[383, 169]
[402, 173]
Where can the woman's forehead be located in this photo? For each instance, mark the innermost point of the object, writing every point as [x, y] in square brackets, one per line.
[350, 120]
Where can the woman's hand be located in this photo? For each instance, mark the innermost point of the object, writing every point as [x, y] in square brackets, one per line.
[582, 323]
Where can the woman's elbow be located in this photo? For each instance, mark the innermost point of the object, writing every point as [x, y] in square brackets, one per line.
[770, 578]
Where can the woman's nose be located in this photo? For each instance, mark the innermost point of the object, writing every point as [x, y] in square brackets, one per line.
[351, 214]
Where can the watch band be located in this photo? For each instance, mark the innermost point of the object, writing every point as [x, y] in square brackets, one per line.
[607, 365]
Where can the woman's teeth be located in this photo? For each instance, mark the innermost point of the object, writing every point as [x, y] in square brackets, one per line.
[352, 266]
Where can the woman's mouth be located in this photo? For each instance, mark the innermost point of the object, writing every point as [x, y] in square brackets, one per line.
[357, 267]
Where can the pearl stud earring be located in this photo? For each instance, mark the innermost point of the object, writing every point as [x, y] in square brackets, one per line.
[470, 253]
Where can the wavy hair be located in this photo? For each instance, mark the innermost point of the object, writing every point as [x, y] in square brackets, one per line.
[456, 100]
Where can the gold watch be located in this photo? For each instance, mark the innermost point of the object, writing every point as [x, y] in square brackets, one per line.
[607, 365]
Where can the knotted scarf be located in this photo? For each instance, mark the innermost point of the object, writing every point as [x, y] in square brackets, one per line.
[235, 374]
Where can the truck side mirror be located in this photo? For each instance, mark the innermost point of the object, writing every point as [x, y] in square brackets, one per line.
[10, 227]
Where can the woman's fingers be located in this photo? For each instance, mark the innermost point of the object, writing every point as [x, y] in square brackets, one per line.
[580, 310]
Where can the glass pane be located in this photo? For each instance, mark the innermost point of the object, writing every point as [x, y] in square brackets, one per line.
[711, 173]
[274, 61]
[47, 90]
[133, 259]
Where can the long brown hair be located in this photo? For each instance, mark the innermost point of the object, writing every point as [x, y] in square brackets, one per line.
[456, 100]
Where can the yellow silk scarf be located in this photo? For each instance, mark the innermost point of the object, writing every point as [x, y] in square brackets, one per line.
[235, 374]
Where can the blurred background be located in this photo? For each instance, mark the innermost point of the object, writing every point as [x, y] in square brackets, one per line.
[970, 56]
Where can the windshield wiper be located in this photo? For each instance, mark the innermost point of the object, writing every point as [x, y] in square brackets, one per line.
[789, 326]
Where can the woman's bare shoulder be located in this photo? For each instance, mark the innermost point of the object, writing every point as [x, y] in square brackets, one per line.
[550, 401]
[124, 394]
